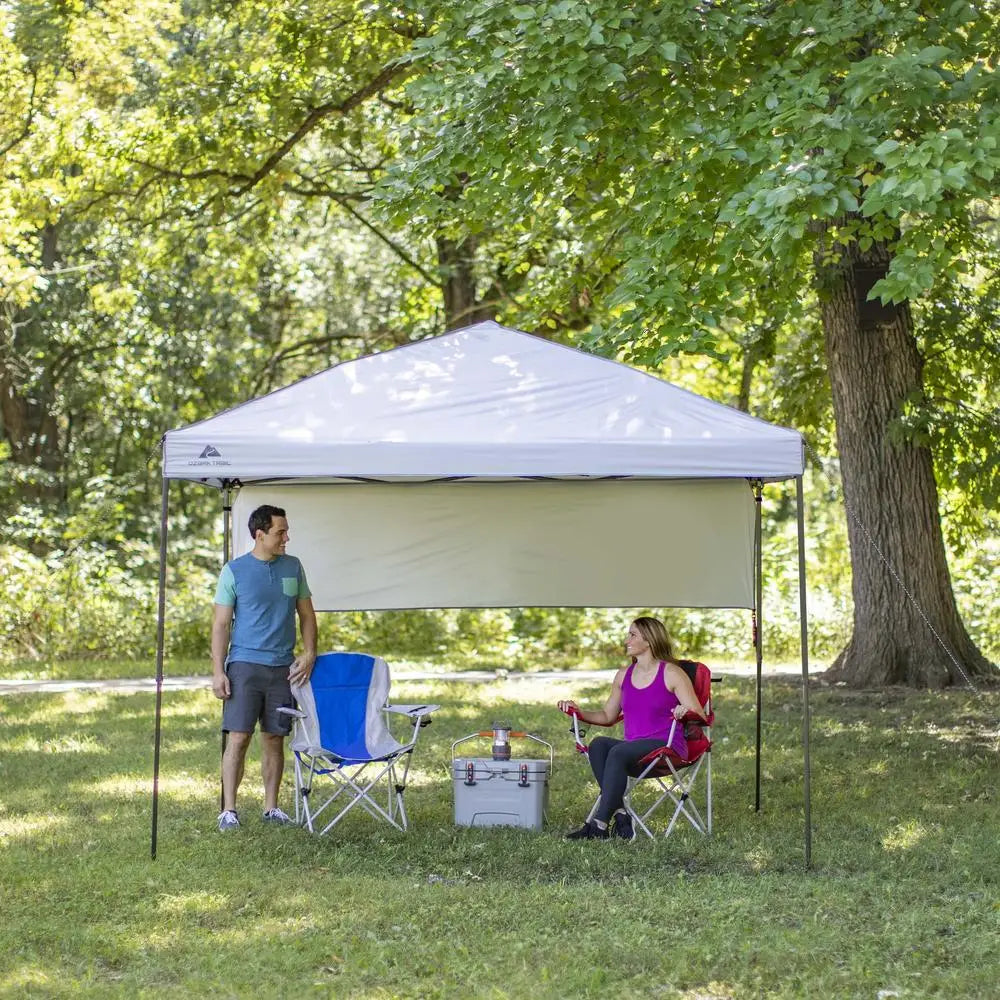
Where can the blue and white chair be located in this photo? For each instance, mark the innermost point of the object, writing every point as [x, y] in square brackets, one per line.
[341, 733]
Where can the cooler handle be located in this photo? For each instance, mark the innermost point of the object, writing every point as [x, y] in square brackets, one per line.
[488, 734]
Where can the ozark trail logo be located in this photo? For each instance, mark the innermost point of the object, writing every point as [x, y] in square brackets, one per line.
[210, 455]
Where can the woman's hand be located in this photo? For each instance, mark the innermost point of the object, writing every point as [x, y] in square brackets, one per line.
[679, 712]
[567, 706]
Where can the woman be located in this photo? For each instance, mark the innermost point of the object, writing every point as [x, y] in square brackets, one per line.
[650, 693]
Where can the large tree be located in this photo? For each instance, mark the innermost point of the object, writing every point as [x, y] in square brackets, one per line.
[132, 298]
[735, 158]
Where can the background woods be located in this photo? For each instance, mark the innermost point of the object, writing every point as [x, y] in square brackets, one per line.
[789, 208]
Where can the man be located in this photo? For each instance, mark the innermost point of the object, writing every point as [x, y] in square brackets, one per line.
[253, 659]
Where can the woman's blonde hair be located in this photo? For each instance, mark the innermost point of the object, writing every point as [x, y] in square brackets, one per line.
[655, 633]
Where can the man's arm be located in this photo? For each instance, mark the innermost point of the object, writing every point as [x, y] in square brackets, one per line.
[301, 668]
[222, 622]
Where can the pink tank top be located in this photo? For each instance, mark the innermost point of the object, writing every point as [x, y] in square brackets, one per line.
[648, 711]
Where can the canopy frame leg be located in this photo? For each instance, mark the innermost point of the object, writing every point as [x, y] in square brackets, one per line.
[227, 512]
[161, 607]
[804, 642]
[758, 629]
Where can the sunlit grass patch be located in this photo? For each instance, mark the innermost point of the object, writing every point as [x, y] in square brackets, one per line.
[179, 786]
[710, 991]
[28, 980]
[70, 743]
[30, 825]
[760, 858]
[199, 901]
[904, 836]
[29, 743]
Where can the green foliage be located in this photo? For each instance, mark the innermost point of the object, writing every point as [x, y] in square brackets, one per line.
[136, 292]
[713, 147]
[92, 603]
[418, 634]
[975, 573]
[960, 418]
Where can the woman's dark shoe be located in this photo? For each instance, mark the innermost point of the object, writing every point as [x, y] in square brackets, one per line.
[624, 830]
[589, 831]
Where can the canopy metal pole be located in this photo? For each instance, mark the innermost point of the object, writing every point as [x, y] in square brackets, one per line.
[227, 510]
[758, 626]
[804, 625]
[161, 606]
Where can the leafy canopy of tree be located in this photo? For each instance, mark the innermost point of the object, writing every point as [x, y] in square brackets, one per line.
[737, 156]
[719, 146]
[135, 297]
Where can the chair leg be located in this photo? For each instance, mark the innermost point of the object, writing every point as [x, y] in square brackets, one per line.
[677, 788]
[297, 764]
[708, 789]
[637, 820]
[361, 796]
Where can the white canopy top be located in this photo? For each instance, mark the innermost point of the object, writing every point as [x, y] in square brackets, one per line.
[486, 402]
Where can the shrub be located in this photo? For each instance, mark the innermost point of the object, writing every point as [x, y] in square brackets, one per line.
[91, 602]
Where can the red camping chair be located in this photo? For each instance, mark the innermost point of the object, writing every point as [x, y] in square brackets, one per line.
[674, 776]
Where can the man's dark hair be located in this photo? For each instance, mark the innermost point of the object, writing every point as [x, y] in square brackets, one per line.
[260, 519]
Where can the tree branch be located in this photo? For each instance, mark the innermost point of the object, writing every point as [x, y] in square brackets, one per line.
[293, 350]
[27, 122]
[391, 244]
[394, 72]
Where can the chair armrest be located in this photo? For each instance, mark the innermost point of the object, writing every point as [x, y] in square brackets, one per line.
[292, 711]
[575, 713]
[413, 711]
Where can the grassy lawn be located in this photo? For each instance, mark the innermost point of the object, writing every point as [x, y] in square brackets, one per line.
[902, 901]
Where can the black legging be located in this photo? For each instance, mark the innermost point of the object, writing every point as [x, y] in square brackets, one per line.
[612, 761]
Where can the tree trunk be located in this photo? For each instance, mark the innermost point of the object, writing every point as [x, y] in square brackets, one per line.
[900, 571]
[28, 410]
[456, 262]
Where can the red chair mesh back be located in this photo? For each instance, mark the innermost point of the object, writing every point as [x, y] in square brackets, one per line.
[698, 743]
[701, 681]
[703, 689]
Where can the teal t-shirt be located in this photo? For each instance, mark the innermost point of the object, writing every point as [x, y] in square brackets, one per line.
[263, 596]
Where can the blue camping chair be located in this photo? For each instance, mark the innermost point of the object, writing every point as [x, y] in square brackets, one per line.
[341, 733]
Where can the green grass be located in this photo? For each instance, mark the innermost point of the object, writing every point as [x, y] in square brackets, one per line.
[902, 900]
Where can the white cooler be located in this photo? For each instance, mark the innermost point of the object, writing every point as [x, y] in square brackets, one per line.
[491, 792]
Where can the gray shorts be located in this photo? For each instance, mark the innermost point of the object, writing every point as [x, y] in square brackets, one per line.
[256, 693]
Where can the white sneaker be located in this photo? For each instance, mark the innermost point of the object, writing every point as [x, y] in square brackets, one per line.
[228, 820]
[278, 816]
